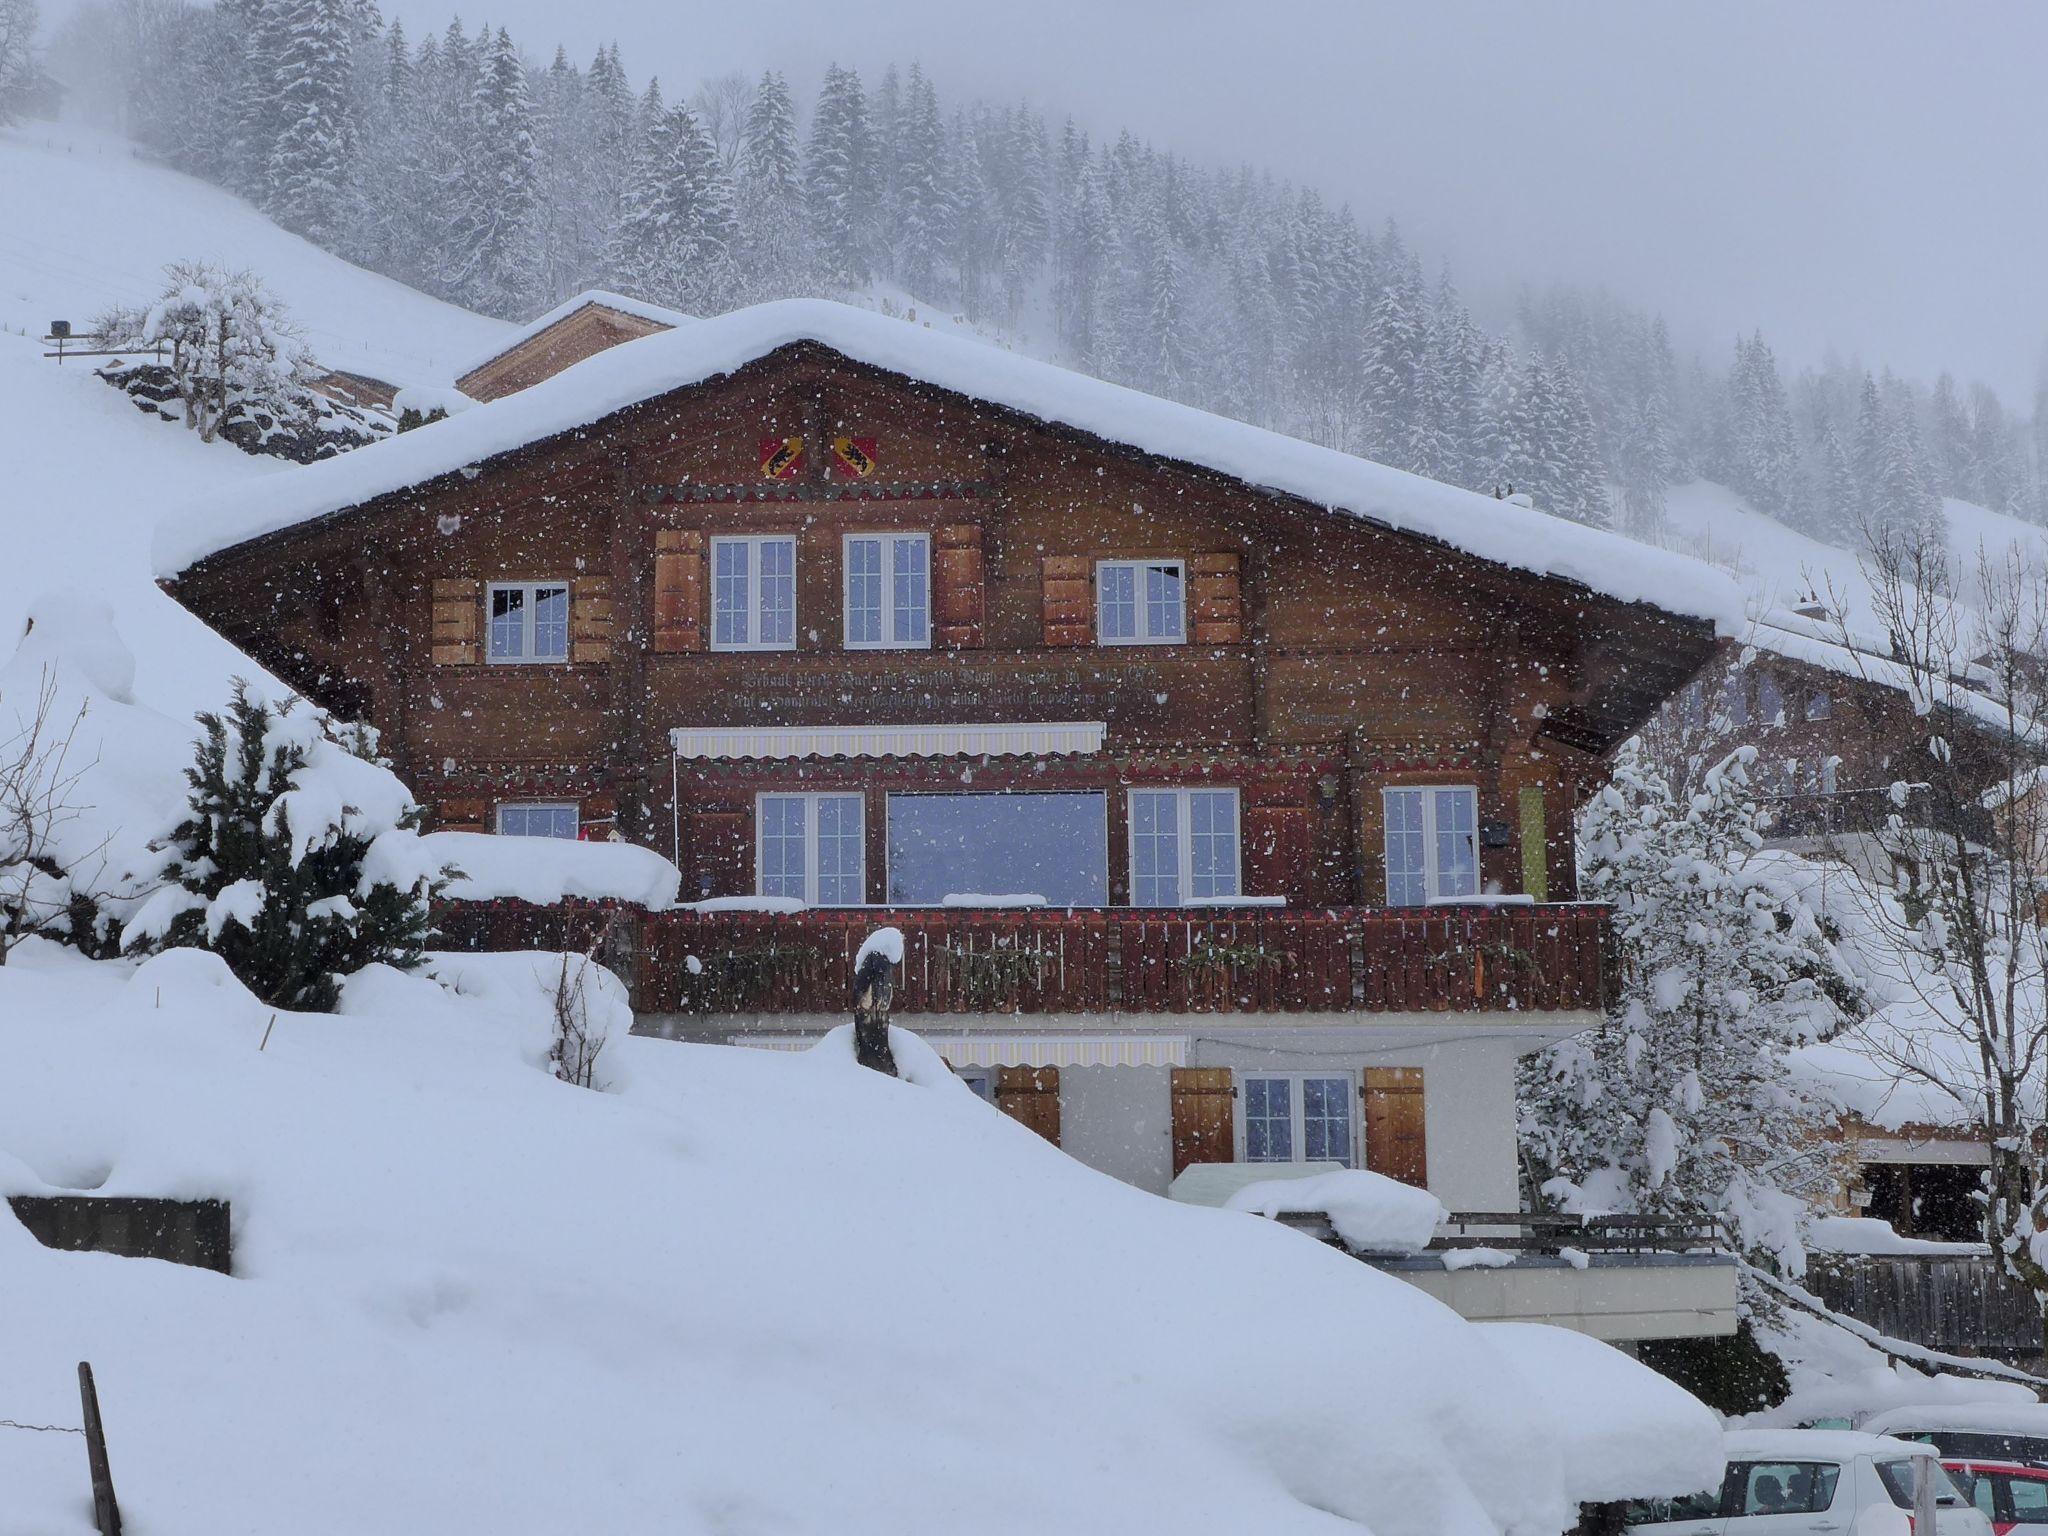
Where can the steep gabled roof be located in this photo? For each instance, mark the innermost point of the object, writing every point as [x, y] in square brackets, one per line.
[1488, 529]
[590, 298]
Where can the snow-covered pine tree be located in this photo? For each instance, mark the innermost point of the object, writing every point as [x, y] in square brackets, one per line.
[313, 157]
[918, 224]
[775, 242]
[1023, 204]
[1948, 460]
[839, 178]
[1579, 476]
[1680, 1103]
[501, 272]
[969, 214]
[1393, 373]
[271, 867]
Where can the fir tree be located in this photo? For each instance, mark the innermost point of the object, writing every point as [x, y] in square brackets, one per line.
[504, 263]
[313, 155]
[259, 874]
[839, 181]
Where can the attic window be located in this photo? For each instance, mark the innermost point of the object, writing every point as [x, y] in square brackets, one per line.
[1141, 602]
[529, 621]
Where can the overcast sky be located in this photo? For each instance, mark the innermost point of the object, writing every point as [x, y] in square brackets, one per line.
[1862, 176]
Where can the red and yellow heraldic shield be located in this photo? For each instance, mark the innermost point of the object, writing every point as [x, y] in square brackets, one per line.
[781, 457]
[853, 458]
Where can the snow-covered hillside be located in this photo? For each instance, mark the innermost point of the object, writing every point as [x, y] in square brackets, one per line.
[1779, 566]
[89, 223]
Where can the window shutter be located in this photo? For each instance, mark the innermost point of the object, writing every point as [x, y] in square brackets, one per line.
[678, 589]
[1275, 851]
[590, 619]
[1031, 1096]
[1067, 600]
[957, 592]
[1217, 617]
[1396, 1139]
[1204, 1116]
[462, 815]
[1535, 844]
[458, 611]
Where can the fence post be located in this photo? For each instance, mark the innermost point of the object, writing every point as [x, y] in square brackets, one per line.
[106, 1513]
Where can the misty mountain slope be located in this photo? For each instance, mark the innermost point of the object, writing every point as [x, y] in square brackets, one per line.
[93, 223]
[1780, 566]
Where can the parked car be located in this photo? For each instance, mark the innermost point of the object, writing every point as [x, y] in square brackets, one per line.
[1813, 1482]
[1980, 1431]
[2011, 1494]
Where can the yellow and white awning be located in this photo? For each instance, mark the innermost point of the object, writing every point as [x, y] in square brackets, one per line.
[1027, 739]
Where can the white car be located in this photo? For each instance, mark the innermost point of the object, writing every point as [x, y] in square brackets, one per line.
[1813, 1482]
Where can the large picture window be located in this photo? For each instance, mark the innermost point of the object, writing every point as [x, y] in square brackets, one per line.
[1298, 1117]
[1432, 844]
[753, 594]
[1184, 846]
[888, 591]
[1054, 846]
[529, 621]
[811, 848]
[1141, 602]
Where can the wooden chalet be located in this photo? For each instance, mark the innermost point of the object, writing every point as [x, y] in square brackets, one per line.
[1222, 785]
[580, 327]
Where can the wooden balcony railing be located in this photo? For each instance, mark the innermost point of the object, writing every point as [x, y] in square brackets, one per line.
[1150, 961]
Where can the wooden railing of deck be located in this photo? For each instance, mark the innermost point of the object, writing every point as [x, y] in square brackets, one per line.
[1151, 961]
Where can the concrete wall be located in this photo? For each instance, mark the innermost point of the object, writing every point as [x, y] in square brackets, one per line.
[1119, 1120]
[1673, 1296]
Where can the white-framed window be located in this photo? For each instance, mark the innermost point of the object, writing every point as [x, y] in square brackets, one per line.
[539, 818]
[811, 847]
[1299, 1117]
[1432, 843]
[1770, 701]
[753, 593]
[1184, 846]
[888, 591]
[1819, 706]
[529, 621]
[1141, 602]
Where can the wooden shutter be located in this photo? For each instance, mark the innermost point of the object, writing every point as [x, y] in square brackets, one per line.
[590, 619]
[678, 589]
[462, 815]
[458, 614]
[1218, 602]
[1535, 844]
[1031, 1096]
[957, 586]
[1275, 851]
[721, 854]
[1396, 1138]
[1204, 1116]
[1067, 600]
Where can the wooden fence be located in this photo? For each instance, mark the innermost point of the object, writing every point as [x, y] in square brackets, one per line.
[1425, 959]
[1962, 1304]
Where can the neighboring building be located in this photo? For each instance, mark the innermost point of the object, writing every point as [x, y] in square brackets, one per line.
[1223, 785]
[577, 328]
[356, 389]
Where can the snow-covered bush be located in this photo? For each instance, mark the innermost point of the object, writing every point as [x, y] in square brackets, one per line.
[267, 869]
[231, 365]
[1681, 1103]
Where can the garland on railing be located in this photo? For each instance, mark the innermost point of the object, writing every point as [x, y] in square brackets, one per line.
[979, 977]
[734, 980]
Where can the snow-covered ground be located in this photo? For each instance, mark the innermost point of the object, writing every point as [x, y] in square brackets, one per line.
[747, 1292]
[90, 223]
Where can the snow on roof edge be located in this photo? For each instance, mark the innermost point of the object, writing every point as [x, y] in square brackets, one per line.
[604, 298]
[613, 380]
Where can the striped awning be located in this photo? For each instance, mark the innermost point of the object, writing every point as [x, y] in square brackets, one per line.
[1023, 1050]
[1028, 739]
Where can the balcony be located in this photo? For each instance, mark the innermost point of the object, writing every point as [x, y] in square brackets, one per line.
[1130, 961]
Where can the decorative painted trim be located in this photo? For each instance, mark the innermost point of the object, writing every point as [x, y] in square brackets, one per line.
[767, 741]
[853, 490]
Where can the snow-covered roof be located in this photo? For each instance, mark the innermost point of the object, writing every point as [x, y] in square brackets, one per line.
[706, 349]
[1865, 659]
[640, 309]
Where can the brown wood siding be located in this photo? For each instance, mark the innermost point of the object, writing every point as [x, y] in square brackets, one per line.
[1358, 657]
[1031, 1096]
[1396, 1133]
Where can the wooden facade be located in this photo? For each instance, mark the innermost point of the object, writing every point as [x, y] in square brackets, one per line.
[584, 332]
[1326, 658]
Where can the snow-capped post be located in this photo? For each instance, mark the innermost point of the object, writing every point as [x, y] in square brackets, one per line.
[874, 984]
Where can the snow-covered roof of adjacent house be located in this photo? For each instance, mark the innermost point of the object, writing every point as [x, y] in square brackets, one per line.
[1493, 530]
[601, 298]
[1865, 658]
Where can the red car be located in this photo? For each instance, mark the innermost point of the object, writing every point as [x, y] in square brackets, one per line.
[2012, 1494]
